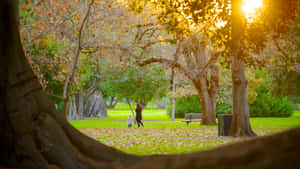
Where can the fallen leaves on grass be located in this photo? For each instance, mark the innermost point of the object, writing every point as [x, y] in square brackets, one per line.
[166, 140]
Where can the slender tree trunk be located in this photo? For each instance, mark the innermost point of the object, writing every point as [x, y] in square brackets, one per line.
[240, 109]
[131, 109]
[214, 85]
[71, 76]
[173, 94]
[112, 102]
[80, 106]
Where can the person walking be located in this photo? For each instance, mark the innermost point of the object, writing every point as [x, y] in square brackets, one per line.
[138, 116]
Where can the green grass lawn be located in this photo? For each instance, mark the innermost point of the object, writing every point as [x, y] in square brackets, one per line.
[161, 136]
[158, 118]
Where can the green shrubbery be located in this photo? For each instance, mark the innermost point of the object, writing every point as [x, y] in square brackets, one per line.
[267, 106]
[263, 106]
[191, 104]
[224, 108]
[186, 104]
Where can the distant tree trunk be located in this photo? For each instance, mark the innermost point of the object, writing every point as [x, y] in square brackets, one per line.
[76, 107]
[173, 94]
[131, 109]
[34, 135]
[95, 106]
[240, 109]
[72, 110]
[160, 104]
[80, 107]
[207, 100]
[112, 102]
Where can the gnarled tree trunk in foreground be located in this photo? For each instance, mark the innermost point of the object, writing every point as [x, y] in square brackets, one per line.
[34, 135]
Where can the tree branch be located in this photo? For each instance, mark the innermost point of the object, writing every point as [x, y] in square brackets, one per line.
[170, 63]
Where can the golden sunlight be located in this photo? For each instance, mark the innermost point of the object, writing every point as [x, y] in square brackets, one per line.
[250, 8]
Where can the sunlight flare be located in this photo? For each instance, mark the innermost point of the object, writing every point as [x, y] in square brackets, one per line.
[250, 8]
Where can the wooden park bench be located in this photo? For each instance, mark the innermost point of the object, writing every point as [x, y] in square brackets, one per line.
[190, 116]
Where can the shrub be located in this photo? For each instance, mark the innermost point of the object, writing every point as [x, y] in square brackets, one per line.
[267, 106]
[224, 108]
[191, 104]
[185, 104]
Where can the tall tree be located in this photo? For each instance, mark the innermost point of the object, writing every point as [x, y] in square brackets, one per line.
[198, 64]
[240, 108]
[136, 84]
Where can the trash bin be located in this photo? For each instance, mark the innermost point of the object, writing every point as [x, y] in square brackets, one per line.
[224, 124]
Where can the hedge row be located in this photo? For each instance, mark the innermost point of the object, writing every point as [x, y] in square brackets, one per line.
[263, 106]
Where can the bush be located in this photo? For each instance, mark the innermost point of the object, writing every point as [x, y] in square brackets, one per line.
[191, 104]
[224, 108]
[267, 106]
[186, 104]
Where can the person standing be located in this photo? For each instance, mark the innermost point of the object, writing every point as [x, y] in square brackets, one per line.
[138, 117]
[130, 121]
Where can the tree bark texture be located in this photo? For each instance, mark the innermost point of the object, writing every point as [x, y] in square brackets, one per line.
[34, 135]
[240, 108]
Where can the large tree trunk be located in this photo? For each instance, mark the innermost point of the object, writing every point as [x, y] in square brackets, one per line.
[207, 102]
[34, 135]
[240, 109]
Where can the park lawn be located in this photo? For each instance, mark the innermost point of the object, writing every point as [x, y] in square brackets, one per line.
[158, 118]
[161, 136]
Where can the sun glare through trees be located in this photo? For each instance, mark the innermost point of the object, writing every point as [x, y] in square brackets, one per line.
[250, 8]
